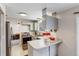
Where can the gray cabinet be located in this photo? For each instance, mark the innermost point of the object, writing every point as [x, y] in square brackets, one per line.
[42, 25]
[48, 23]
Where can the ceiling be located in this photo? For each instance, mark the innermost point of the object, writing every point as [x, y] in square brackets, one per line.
[34, 10]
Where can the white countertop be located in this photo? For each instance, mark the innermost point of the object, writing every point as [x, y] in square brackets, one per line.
[39, 44]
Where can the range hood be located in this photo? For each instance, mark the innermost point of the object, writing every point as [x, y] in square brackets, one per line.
[44, 12]
[48, 22]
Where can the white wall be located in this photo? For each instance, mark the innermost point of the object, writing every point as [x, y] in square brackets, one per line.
[67, 32]
[3, 33]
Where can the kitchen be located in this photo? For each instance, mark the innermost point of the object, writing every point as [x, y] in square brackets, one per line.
[39, 31]
[22, 33]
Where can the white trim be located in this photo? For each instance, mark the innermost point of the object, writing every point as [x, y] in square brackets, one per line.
[3, 33]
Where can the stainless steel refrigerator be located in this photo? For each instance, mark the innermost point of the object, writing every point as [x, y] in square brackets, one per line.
[8, 38]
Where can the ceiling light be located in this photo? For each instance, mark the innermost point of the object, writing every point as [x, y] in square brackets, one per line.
[38, 18]
[22, 14]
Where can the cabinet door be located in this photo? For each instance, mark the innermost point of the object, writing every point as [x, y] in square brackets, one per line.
[36, 26]
[42, 25]
[51, 23]
[53, 50]
[48, 23]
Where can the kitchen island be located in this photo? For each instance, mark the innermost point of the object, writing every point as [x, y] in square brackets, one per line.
[42, 47]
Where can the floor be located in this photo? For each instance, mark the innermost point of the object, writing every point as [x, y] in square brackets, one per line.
[17, 51]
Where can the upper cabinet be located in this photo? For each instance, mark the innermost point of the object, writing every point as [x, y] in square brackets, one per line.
[48, 23]
[51, 23]
[42, 25]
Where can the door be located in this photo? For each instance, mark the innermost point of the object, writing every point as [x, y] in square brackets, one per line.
[77, 34]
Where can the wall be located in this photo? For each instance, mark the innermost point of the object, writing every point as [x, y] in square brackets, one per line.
[67, 32]
[2, 29]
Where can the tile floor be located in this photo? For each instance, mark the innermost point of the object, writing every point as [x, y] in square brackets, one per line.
[17, 51]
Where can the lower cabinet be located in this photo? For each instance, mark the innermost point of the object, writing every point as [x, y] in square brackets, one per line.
[46, 51]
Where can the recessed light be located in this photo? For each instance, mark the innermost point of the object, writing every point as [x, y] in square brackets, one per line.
[22, 14]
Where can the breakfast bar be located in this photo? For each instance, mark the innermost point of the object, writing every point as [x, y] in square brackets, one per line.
[42, 47]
